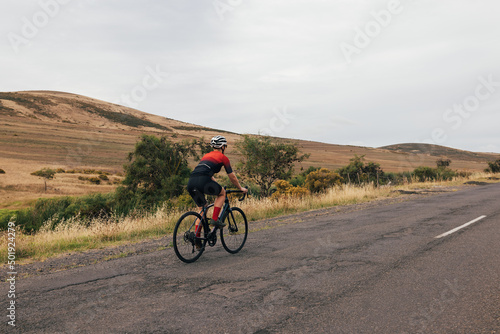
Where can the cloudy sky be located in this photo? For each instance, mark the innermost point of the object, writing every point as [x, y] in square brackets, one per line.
[357, 72]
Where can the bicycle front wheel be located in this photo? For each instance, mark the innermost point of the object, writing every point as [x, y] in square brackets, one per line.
[187, 246]
[234, 235]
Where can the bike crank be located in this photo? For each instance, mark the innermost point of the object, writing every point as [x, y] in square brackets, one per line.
[212, 238]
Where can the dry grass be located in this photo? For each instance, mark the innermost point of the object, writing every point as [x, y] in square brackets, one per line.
[257, 209]
[75, 235]
[72, 235]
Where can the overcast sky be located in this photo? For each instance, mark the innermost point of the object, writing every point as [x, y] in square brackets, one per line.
[367, 73]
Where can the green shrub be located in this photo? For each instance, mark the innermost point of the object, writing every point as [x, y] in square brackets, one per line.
[2, 171]
[30, 220]
[445, 174]
[494, 166]
[358, 172]
[5, 217]
[393, 178]
[46, 173]
[182, 202]
[423, 174]
[443, 163]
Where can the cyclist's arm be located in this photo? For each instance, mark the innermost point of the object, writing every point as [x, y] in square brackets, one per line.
[234, 180]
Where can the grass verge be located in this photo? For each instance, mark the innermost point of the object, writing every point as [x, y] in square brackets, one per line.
[73, 235]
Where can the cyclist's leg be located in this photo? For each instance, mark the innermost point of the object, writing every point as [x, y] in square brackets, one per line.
[197, 224]
[213, 188]
[198, 186]
[193, 187]
[218, 203]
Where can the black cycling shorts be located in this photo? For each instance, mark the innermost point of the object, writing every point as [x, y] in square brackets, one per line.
[200, 185]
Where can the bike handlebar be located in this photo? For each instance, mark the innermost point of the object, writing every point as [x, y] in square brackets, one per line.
[230, 191]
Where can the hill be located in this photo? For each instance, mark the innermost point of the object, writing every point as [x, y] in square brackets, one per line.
[439, 152]
[40, 129]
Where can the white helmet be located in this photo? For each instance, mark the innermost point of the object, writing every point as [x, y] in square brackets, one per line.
[218, 142]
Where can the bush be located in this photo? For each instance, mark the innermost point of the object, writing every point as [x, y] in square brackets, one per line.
[5, 217]
[46, 173]
[443, 163]
[446, 174]
[423, 174]
[494, 166]
[94, 180]
[393, 178]
[2, 171]
[30, 220]
[322, 179]
[182, 202]
[285, 189]
[358, 172]
[300, 179]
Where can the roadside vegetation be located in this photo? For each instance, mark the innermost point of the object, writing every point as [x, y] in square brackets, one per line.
[152, 195]
[493, 167]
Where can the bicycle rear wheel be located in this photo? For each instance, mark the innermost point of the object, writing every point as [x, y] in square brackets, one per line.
[187, 246]
[234, 235]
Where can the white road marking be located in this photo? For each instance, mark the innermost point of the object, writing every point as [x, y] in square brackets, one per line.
[460, 227]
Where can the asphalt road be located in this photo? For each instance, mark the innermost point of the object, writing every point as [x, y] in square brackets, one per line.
[378, 270]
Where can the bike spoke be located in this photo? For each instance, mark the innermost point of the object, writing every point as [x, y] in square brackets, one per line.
[187, 246]
[234, 235]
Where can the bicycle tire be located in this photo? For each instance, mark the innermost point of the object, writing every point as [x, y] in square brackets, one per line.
[234, 235]
[185, 238]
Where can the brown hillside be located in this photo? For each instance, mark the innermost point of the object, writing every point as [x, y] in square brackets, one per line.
[41, 129]
[440, 152]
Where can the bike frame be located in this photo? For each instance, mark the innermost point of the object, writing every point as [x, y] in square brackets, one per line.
[226, 209]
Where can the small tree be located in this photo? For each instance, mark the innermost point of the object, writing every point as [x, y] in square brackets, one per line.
[265, 160]
[157, 170]
[46, 174]
[443, 163]
[359, 172]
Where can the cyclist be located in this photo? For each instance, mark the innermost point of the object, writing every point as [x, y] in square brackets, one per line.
[202, 182]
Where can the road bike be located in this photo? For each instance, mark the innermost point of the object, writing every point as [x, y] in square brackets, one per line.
[192, 232]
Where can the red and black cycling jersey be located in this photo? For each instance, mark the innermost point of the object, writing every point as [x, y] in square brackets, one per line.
[211, 163]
